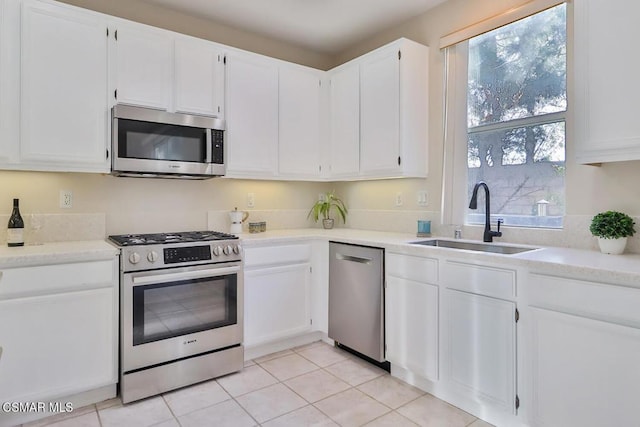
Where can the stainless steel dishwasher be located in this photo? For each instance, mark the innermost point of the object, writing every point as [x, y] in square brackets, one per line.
[356, 298]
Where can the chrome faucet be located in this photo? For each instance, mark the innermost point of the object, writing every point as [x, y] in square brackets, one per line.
[473, 204]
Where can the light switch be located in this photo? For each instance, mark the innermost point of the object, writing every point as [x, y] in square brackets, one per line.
[421, 198]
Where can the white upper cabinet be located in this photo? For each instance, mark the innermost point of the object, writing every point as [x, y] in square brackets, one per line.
[144, 64]
[252, 115]
[606, 73]
[380, 112]
[63, 82]
[392, 115]
[199, 77]
[159, 69]
[344, 120]
[9, 82]
[299, 120]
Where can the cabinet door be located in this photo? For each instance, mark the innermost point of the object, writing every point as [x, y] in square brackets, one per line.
[585, 372]
[252, 116]
[482, 347]
[9, 82]
[144, 63]
[199, 77]
[344, 102]
[57, 345]
[380, 112]
[64, 88]
[299, 135]
[411, 326]
[607, 128]
[276, 303]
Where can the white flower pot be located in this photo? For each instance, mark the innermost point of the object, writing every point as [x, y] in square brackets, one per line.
[327, 223]
[612, 246]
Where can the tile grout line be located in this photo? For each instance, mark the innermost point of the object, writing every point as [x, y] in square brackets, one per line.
[170, 410]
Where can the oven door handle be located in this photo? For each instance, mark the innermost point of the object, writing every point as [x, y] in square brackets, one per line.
[186, 275]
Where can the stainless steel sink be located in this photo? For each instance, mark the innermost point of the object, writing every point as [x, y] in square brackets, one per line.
[473, 246]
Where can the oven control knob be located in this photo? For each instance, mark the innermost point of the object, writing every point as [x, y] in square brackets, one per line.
[152, 256]
[217, 251]
[134, 258]
[236, 249]
[227, 250]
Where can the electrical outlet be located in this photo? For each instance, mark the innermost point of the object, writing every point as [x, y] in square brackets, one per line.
[251, 200]
[66, 199]
[321, 197]
[399, 199]
[422, 199]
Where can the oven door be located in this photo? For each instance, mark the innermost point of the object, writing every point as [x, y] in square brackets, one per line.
[172, 314]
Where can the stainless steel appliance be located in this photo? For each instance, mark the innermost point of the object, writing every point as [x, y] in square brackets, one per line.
[181, 310]
[356, 299]
[153, 143]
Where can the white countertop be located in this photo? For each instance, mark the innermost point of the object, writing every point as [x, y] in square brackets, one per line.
[56, 253]
[583, 264]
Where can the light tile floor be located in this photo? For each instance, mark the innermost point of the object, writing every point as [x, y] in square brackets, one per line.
[313, 385]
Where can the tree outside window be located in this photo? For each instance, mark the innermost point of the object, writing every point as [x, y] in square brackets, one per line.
[516, 107]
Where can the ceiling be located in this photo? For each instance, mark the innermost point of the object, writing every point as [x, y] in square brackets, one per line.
[327, 26]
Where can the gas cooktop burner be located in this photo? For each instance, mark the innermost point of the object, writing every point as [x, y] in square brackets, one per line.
[160, 238]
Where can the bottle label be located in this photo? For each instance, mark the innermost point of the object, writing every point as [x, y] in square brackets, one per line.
[15, 236]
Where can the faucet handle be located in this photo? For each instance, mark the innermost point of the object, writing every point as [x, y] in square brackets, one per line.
[500, 221]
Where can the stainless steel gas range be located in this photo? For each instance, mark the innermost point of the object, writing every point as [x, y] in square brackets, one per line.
[181, 310]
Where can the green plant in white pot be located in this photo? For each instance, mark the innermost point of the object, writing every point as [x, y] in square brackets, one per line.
[612, 229]
[322, 208]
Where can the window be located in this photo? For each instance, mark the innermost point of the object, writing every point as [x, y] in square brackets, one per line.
[516, 103]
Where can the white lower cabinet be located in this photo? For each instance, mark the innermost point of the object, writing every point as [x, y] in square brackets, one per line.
[57, 345]
[277, 303]
[58, 333]
[412, 326]
[481, 335]
[585, 348]
[277, 290]
[411, 314]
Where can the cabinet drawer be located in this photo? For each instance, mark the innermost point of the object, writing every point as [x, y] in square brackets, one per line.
[414, 268]
[276, 255]
[480, 279]
[590, 299]
[50, 279]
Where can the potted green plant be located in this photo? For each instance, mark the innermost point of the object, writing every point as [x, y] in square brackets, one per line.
[612, 229]
[322, 208]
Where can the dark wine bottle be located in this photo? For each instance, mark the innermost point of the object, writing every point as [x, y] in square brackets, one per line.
[15, 229]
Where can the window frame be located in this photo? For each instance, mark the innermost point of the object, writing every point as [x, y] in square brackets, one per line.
[455, 48]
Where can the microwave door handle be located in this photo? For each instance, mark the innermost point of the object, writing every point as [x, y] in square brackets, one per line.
[209, 148]
[186, 275]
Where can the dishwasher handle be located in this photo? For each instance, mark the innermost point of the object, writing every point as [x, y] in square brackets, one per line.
[360, 260]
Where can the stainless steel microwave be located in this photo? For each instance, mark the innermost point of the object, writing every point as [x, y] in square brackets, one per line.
[153, 143]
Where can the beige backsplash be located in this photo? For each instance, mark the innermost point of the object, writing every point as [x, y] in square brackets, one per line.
[70, 227]
[275, 219]
[60, 227]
